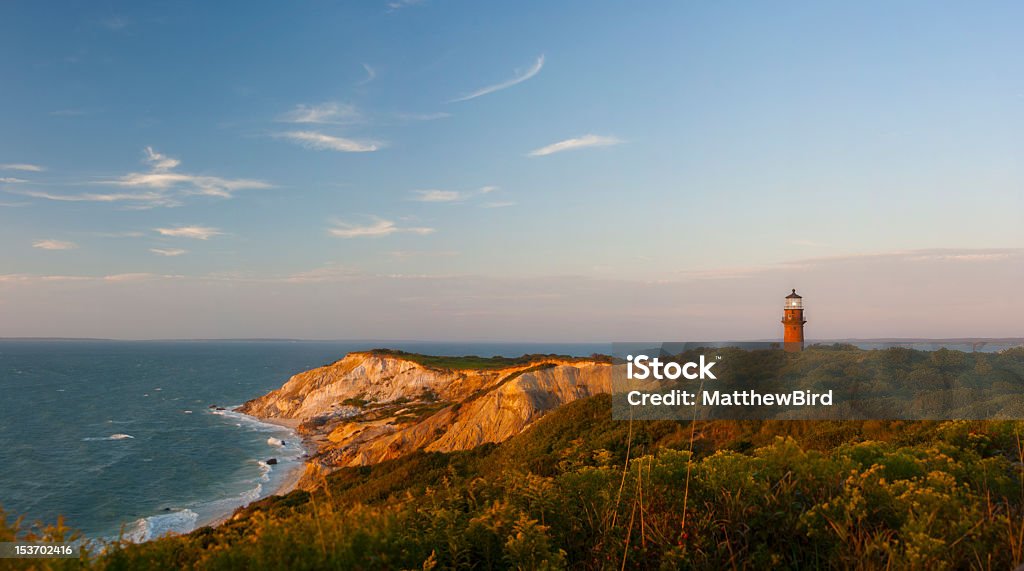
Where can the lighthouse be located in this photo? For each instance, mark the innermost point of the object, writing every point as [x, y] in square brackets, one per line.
[793, 323]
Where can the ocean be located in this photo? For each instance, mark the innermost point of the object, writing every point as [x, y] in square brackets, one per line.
[118, 437]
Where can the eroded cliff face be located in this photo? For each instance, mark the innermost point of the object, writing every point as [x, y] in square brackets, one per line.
[369, 407]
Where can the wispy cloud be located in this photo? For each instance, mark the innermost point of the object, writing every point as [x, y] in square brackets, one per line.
[143, 199]
[371, 74]
[168, 251]
[69, 112]
[21, 167]
[188, 184]
[322, 142]
[195, 232]
[422, 116]
[958, 257]
[378, 228]
[134, 277]
[160, 162]
[54, 245]
[11, 180]
[163, 179]
[330, 113]
[160, 186]
[503, 204]
[399, 4]
[436, 195]
[519, 77]
[576, 143]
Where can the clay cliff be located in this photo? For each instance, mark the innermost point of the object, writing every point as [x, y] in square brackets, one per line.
[374, 406]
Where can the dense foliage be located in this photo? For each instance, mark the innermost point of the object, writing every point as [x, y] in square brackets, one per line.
[580, 490]
[889, 383]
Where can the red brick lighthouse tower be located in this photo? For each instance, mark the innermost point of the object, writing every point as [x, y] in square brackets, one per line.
[793, 323]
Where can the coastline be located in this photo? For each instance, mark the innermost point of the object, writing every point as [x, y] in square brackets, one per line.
[288, 482]
[278, 480]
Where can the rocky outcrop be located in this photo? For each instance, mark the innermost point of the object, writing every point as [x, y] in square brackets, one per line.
[369, 407]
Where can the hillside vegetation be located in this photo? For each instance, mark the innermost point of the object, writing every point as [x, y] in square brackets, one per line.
[578, 489]
[476, 362]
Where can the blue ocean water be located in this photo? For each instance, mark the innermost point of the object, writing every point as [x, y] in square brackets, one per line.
[118, 437]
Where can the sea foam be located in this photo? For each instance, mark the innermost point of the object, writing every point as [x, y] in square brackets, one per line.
[152, 527]
[111, 437]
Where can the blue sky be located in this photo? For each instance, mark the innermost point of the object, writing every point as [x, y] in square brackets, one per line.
[549, 171]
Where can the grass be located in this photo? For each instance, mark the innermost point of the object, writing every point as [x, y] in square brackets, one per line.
[475, 362]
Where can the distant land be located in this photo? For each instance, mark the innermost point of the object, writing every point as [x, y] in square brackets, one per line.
[1019, 340]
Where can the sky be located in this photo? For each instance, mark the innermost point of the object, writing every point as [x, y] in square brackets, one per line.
[527, 171]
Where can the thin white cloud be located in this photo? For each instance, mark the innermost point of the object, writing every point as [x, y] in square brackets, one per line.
[168, 251]
[188, 184]
[399, 4]
[575, 143]
[11, 180]
[159, 161]
[21, 167]
[142, 199]
[134, 277]
[321, 142]
[126, 277]
[435, 195]
[422, 116]
[161, 186]
[438, 195]
[164, 181]
[371, 74]
[194, 232]
[379, 228]
[329, 112]
[504, 204]
[520, 76]
[54, 245]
